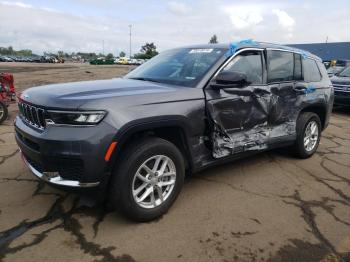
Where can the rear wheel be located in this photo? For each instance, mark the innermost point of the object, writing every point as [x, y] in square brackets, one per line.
[308, 134]
[147, 179]
[3, 112]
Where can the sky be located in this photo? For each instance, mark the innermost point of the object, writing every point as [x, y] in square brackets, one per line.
[90, 25]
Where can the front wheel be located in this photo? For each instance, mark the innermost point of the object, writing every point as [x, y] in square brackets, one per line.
[147, 179]
[3, 112]
[308, 134]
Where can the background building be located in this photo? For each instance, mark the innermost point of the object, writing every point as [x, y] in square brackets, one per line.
[327, 51]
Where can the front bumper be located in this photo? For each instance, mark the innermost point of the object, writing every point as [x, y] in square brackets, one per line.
[66, 156]
[55, 179]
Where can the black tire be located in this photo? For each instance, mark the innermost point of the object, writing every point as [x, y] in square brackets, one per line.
[3, 108]
[304, 119]
[120, 193]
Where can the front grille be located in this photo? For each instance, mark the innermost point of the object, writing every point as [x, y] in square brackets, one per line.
[341, 88]
[33, 115]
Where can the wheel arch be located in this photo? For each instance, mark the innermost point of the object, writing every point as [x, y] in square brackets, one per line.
[174, 129]
[319, 109]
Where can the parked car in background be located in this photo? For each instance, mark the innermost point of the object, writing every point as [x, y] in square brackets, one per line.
[6, 59]
[102, 61]
[337, 66]
[331, 71]
[341, 84]
[139, 61]
[135, 138]
[135, 61]
[123, 61]
[327, 64]
[343, 63]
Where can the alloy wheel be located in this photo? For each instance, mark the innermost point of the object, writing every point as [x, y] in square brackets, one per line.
[2, 111]
[154, 181]
[311, 136]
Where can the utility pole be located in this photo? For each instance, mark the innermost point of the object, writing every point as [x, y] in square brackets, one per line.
[103, 47]
[327, 40]
[130, 41]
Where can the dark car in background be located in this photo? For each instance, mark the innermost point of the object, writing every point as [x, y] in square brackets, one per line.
[341, 84]
[134, 138]
[337, 66]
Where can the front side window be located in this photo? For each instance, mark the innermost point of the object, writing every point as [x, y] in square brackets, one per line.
[311, 71]
[280, 66]
[248, 63]
[184, 66]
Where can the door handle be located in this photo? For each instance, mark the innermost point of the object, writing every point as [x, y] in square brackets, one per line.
[300, 88]
[305, 89]
[260, 91]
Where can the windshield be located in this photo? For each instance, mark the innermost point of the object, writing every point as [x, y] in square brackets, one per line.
[185, 66]
[334, 69]
[345, 72]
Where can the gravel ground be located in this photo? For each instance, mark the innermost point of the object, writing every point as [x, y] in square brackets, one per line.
[270, 207]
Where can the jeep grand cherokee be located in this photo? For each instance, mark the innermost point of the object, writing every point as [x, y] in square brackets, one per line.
[186, 109]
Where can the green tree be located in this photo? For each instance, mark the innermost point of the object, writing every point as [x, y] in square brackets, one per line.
[109, 56]
[122, 54]
[10, 50]
[213, 40]
[148, 51]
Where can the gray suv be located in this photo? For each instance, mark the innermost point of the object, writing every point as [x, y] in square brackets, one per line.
[134, 138]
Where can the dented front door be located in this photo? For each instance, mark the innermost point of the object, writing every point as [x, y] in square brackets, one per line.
[239, 115]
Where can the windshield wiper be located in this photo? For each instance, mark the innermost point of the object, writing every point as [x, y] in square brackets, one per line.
[145, 79]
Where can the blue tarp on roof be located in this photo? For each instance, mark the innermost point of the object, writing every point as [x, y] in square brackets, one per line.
[327, 51]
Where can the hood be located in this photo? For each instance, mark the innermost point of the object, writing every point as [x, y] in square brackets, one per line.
[74, 95]
[340, 80]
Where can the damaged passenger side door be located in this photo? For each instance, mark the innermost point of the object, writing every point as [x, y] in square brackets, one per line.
[237, 104]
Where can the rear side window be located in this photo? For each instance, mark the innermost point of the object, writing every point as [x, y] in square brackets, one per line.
[280, 66]
[311, 71]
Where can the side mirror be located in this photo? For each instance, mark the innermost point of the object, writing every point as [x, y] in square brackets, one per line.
[227, 79]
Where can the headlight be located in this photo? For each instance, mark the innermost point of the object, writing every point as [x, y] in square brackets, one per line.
[75, 118]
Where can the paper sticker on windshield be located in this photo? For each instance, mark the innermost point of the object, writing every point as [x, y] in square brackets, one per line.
[196, 51]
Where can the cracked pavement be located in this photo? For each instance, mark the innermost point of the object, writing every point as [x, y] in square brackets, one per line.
[269, 207]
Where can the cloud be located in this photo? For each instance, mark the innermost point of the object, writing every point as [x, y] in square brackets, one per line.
[70, 29]
[243, 17]
[284, 19]
[18, 4]
[178, 8]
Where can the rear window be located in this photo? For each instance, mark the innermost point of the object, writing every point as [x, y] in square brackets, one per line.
[280, 66]
[311, 71]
